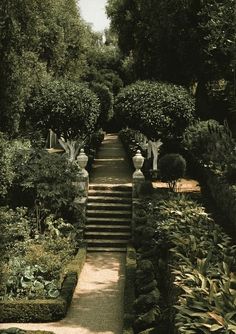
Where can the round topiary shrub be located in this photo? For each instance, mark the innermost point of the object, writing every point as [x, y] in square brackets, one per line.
[158, 110]
[172, 167]
[70, 110]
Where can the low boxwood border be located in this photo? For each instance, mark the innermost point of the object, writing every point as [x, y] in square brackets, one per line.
[14, 330]
[129, 291]
[47, 310]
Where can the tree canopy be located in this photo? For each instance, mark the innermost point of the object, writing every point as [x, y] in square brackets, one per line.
[158, 110]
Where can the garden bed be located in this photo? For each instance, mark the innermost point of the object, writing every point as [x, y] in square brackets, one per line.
[186, 269]
[45, 310]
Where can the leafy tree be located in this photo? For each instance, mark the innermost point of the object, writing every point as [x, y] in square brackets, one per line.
[185, 42]
[156, 109]
[38, 39]
[180, 41]
[70, 110]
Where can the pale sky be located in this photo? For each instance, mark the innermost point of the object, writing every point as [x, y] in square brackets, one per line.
[93, 11]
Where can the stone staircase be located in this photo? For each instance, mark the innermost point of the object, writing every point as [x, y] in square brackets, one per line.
[109, 213]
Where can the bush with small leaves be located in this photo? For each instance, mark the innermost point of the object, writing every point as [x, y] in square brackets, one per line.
[172, 167]
[156, 109]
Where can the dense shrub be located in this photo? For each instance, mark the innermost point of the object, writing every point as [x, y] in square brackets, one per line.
[172, 167]
[37, 271]
[106, 103]
[41, 310]
[212, 144]
[156, 109]
[15, 230]
[194, 263]
[45, 184]
[12, 154]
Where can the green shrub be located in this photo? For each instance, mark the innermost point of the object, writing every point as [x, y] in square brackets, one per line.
[195, 265]
[12, 154]
[41, 310]
[15, 230]
[106, 103]
[212, 144]
[172, 167]
[158, 110]
[46, 185]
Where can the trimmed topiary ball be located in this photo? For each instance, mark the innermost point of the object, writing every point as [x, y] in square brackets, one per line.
[172, 167]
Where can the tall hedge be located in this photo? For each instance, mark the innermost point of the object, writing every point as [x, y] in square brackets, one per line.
[156, 109]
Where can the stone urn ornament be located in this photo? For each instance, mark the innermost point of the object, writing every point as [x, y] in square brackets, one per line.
[138, 161]
[82, 161]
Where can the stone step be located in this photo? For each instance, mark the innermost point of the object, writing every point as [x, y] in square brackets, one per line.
[108, 221]
[109, 213]
[106, 243]
[107, 235]
[109, 193]
[106, 249]
[109, 199]
[106, 228]
[113, 187]
[109, 206]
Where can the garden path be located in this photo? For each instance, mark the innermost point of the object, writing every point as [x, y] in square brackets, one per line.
[111, 165]
[97, 304]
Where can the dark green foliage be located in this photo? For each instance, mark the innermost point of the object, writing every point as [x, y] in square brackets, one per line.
[37, 40]
[15, 228]
[45, 310]
[213, 145]
[175, 41]
[32, 311]
[44, 188]
[172, 167]
[12, 155]
[70, 110]
[156, 109]
[194, 262]
[106, 103]
[129, 291]
[127, 136]
[184, 42]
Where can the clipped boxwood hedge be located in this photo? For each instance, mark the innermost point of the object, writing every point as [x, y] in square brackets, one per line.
[49, 309]
[14, 330]
[129, 293]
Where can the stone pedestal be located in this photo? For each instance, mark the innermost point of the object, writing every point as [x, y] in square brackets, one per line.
[138, 180]
[81, 184]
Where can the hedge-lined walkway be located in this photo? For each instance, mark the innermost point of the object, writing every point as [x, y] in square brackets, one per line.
[97, 305]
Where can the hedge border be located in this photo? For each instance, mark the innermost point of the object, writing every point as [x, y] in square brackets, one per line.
[129, 290]
[14, 330]
[46, 310]
[219, 190]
